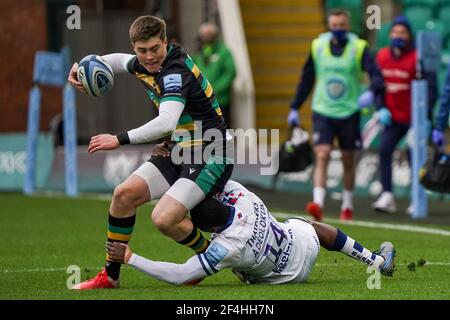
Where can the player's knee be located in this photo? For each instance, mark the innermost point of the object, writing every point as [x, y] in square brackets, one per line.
[162, 222]
[322, 156]
[347, 165]
[125, 195]
[315, 225]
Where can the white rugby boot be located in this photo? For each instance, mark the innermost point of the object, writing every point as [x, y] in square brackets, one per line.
[387, 251]
[385, 203]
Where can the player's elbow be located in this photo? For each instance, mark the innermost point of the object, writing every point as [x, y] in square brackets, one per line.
[183, 278]
[179, 282]
[168, 122]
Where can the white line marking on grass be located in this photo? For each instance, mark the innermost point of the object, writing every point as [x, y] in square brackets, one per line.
[437, 264]
[51, 269]
[370, 224]
[428, 263]
[337, 264]
[33, 270]
[83, 196]
[367, 224]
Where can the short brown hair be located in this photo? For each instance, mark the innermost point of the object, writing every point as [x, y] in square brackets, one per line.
[339, 12]
[146, 27]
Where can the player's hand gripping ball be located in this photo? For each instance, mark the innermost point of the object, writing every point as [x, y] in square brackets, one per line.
[96, 75]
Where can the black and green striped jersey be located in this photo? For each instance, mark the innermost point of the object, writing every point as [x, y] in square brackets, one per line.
[181, 80]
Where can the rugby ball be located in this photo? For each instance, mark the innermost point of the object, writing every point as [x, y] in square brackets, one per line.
[96, 75]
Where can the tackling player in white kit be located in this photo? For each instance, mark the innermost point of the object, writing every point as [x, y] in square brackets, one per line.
[247, 238]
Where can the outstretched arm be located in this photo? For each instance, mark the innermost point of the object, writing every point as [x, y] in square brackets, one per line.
[118, 61]
[173, 273]
[164, 124]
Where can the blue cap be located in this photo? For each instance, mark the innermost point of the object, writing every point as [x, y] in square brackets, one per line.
[402, 20]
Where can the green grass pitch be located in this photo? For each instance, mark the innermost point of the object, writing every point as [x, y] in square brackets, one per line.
[42, 237]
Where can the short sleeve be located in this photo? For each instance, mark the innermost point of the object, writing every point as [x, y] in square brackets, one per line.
[221, 254]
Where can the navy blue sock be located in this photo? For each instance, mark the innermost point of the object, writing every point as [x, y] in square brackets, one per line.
[350, 247]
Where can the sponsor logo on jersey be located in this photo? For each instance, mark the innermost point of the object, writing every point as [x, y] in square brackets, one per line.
[172, 82]
[336, 88]
[231, 198]
[216, 253]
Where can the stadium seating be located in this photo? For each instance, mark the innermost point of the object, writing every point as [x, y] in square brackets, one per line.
[382, 39]
[418, 16]
[436, 26]
[443, 14]
[279, 35]
[430, 15]
[425, 3]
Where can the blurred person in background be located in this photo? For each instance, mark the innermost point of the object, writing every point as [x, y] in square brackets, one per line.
[335, 65]
[442, 116]
[216, 62]
[398, 66]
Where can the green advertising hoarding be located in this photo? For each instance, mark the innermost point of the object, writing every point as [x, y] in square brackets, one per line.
[13, 155]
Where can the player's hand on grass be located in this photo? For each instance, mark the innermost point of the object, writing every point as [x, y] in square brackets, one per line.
[73, 79]
[103, 142]
[118, 252]
[161, 149]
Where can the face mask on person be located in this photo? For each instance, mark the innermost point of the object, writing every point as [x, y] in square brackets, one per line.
[398, 43]
[340, 35]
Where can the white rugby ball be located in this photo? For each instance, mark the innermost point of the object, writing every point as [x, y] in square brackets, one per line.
[96, 75]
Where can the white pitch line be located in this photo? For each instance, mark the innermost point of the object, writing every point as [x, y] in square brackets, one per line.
[367, 224]
[370, 224]
[317, 264]
[42, 270]
[33, 270]
[446, 264]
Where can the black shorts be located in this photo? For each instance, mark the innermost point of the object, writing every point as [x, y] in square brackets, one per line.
[210, 176]
[347, 130]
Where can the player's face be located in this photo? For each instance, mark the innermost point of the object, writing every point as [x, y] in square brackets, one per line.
[399, 31]
[151, 53]
[338, 22]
